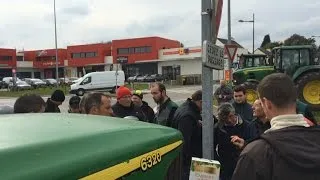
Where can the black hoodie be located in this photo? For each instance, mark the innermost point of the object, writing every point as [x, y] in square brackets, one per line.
[291, 153]
[121, 111]
[148, 112]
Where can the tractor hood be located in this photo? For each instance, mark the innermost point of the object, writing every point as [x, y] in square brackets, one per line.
[257, 73]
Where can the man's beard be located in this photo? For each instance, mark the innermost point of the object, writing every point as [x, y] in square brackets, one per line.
[160, 101]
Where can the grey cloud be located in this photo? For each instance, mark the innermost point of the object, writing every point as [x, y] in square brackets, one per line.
[76, 10]
[280, 19]
[154, 26]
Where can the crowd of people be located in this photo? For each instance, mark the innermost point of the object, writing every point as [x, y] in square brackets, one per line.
[274, 138]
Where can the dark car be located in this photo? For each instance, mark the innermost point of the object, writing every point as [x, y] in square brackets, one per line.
[2, 85]
[50, 82]
[154, 78]
[36, 83]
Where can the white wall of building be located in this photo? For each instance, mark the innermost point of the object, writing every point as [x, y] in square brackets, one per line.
[187, 66]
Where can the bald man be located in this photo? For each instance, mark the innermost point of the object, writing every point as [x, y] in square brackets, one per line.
[223, 93]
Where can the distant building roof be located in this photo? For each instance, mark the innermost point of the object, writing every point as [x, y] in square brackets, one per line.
[225, 41]
[268, 53]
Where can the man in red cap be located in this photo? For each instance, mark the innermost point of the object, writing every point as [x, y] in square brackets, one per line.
[124, 106]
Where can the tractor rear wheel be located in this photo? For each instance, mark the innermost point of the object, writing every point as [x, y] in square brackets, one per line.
[251, 91]
[309, 89]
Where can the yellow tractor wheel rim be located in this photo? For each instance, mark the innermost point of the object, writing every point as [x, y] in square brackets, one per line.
[311, 92]
[251, 95]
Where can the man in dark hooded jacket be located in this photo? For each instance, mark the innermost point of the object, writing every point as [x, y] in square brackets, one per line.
[290, 148]
[53, 103]
[136, 98]
[187, 119]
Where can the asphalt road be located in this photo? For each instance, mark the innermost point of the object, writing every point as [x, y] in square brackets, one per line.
[178, 95]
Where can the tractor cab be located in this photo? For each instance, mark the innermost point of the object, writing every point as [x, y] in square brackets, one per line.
[252, 60]
[288, 59]
[301, 65]
[298, 62]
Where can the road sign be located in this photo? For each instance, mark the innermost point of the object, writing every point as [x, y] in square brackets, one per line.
[227, 75]
[13, 71]
[212, 56]
[231, 51]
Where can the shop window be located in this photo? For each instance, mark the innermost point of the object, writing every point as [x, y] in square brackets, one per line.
[75, 55]
[123, 50]
[148, 49]
[5, 58]
[91, 54]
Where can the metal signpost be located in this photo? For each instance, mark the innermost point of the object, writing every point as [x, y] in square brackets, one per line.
[56, 42]
[212, 58]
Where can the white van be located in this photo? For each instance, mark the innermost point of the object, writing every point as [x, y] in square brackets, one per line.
[98, 81]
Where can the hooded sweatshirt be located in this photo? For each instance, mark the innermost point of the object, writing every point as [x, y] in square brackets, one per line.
[286, 151]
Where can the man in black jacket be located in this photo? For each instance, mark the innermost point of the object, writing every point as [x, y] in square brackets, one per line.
[290, 148]
[136, 98]
[243, 108]
[53, 103]
[230, 124]
[187, 119]
[124, 106]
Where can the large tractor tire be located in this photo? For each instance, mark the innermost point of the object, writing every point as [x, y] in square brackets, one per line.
[309, 90]
[251, 91]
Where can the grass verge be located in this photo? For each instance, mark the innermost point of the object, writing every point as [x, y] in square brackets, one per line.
[40, 91]
[138, 86]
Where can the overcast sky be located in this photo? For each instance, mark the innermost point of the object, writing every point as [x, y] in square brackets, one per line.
[29, 24]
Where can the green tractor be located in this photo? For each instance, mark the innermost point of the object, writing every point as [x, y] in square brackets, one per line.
[250, 69]
[296, 61]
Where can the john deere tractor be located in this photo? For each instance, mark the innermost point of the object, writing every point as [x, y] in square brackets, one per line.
[296, 61]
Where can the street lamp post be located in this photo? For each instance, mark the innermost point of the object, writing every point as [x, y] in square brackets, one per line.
[251, 21]
[56, 42]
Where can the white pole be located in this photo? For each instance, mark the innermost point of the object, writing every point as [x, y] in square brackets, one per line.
[56, 42]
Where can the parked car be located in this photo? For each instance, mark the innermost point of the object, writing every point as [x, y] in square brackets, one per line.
[50, 82]
[142, 78]
[20, 85]
[36, 83]
[133, 78]
[154, 78]
[65, 81]
[2, 85]
[8, 80]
